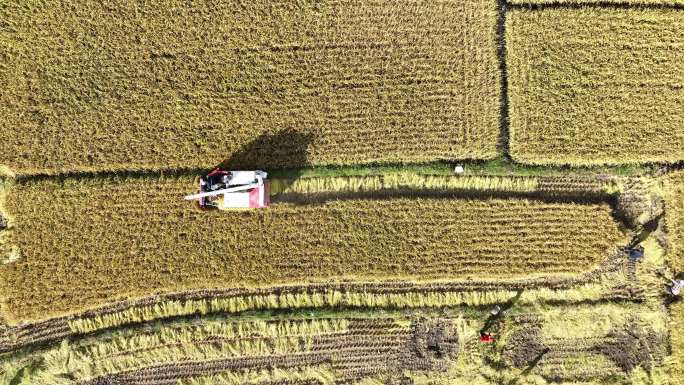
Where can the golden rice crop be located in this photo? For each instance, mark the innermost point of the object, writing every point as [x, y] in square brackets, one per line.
[596, 86]
[406, 180]
[87, 242]
[91, 85]
[674, 219]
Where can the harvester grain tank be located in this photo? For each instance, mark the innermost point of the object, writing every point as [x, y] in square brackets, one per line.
[230, 190]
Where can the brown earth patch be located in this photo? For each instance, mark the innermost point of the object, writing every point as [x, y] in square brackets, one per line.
[524, 347]
[630, 348]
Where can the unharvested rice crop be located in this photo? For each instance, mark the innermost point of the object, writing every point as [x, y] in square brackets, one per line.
[674, 219]
[596, 86]
[87, 242]
[91, 85]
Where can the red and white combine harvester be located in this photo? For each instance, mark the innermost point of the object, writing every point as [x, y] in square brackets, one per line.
[228, 190]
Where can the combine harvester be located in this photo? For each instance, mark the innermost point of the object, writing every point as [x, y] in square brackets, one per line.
[230, 190]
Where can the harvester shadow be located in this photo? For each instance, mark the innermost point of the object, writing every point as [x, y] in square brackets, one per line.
[284, 152]
[535, 362]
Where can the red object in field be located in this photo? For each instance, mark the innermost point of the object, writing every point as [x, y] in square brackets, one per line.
[254, 201]
[486, 338]
[218, 171]
[259, 198]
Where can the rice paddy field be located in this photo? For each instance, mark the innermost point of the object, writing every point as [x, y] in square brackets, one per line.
[596, 85]
[68, 236]
[171, 84]
[461, 192]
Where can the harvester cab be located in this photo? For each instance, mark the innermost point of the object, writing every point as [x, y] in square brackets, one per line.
[228, 190]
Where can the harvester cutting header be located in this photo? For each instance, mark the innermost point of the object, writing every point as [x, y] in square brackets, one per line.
[227, 190]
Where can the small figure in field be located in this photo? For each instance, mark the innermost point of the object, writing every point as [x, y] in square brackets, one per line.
[674, 287]
[493, 320]
[636, 254]
[494, 317]
[486, 338]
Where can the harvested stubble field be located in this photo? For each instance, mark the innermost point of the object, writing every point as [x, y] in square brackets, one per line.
[593, 188]
[84, 243]
[588, 344]
[674, 219]
[344, 347]
[596, 85]
[676, 361]
[355, 345]
[171, 84]
[674, 222]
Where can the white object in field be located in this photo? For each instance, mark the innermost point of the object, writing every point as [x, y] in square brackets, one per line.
[242, 180]
[677, 286]
[244, 177]
[241, 189]
[459, 169]
[238, 200]
[254, 198]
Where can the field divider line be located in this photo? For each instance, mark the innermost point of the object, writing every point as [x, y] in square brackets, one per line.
[504, 123]
[8, 252]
